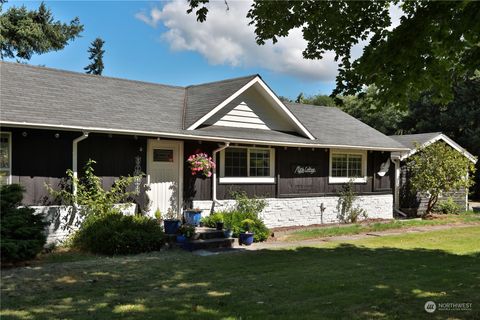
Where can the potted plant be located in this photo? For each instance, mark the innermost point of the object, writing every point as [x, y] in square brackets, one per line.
[186, 232]
[219, 224]
[201, 165]
[246, 237]
[171, 223]
[158, 215]
[193, 216]
[228, 232]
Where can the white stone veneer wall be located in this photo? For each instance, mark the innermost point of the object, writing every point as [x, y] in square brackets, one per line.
[64, 220]
[286, 212]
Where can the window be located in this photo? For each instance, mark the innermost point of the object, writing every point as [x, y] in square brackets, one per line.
[5, 158]
[346, 165]
[247, 165]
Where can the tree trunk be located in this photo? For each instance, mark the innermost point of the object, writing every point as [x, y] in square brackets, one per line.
[431, 203]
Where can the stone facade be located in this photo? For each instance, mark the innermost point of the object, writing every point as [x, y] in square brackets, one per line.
[285, 212]
[64, 220]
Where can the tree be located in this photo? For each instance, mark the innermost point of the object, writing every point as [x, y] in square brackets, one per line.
[437, 169]
[96, 57]
[24, 33]
[434, 46]
[299, 98]
[320, 100]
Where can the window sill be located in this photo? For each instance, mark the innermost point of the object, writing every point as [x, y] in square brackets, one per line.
[346, 180]
[247, 180]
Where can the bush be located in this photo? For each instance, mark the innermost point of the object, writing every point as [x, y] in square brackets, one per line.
[114, 233]
[235, 221]
[347, 213]
[22, 232]
[447, 207]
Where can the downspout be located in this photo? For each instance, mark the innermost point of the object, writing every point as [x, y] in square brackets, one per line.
[214, 182]
[75, 159]
[396, 203]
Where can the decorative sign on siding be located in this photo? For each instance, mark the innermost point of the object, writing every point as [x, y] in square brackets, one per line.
[305, 170]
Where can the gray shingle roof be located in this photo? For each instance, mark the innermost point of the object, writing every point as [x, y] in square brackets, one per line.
[61, 98]
[409, 140]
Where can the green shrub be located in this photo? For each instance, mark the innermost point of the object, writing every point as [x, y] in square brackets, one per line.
[347, 212]
[114, 233]
[211, 220]
[447, 207]
[245, 204]
[235, 221]
[22, 232]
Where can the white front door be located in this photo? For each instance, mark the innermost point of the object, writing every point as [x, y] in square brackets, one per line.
[165, 173]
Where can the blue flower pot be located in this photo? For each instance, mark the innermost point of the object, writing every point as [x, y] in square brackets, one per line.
[245, 238]
[193, 217]
[171, 226]
[228, 233]
[181, 239]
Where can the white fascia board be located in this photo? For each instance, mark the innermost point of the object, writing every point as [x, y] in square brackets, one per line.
[169, 135]
[255, 80]
[447, 140]
[223, 104]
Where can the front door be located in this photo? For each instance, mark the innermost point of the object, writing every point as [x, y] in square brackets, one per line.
[165, 171]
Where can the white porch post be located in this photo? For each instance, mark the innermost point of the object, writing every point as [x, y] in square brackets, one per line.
[75, 160]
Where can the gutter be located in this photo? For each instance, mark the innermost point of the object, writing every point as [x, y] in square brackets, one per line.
[195, 137]
[396, 203]
[75, 159]
[214, 182]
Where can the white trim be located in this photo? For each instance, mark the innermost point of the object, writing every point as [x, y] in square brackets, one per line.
[447, 140]
[248, 178]
[255, 80]
[75, 160]
[192, 136]
[239, 180]
[364, 155]
[10, 142]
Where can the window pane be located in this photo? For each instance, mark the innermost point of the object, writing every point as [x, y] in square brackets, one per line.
[235, 162]
[339, 165]
[259, 163]
[5, 151]
[355, 166]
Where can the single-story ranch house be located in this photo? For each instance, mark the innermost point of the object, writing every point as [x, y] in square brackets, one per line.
[296, 156]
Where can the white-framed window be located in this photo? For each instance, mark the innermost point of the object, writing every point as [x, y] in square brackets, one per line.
[346, 165]
[247, 165]
[5, 158]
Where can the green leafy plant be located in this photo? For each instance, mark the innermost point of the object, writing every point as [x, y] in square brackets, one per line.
[22, 232]
[436, 169]
[211, 220]
[91, 198]
[447, 207]
[347, 212]
[247, 225]
[114, 233]
[158, 214]
[245, 204]
[171, 215]
[234, 220]
[187, 230]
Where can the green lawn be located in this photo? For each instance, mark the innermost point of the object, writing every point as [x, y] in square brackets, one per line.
[351, 229]
[377, 278]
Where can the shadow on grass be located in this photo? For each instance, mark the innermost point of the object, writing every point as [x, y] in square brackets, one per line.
[308, 283]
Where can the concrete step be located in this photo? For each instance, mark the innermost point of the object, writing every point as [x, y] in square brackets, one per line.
[214, 243]
[208, 233]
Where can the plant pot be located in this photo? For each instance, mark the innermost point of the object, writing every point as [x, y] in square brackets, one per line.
[245, 238]
[228, 233]
[193, 217]
[171, 226]
[219, 225]
[181, 238]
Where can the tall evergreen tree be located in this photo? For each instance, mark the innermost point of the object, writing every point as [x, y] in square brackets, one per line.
[26, 32]
[96, 57]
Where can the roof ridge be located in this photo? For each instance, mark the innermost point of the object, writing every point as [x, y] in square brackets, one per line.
[89, 75]
[224, 80]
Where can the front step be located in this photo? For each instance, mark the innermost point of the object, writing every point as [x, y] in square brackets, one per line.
[214, 243]
[208, 233]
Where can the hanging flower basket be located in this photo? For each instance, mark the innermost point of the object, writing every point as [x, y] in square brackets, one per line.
[201, 164]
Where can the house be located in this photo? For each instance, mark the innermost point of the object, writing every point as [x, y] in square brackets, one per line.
[416, 203]
[296, 156]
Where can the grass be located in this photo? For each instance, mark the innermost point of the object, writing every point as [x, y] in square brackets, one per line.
[387, 277]
[353, 229]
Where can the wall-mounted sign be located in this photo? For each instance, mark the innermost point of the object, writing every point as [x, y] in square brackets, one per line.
[305, 170]
[162, 155]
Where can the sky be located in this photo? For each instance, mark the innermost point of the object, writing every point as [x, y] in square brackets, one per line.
[158, 42]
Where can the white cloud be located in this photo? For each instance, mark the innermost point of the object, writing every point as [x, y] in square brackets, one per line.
[227, 39]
